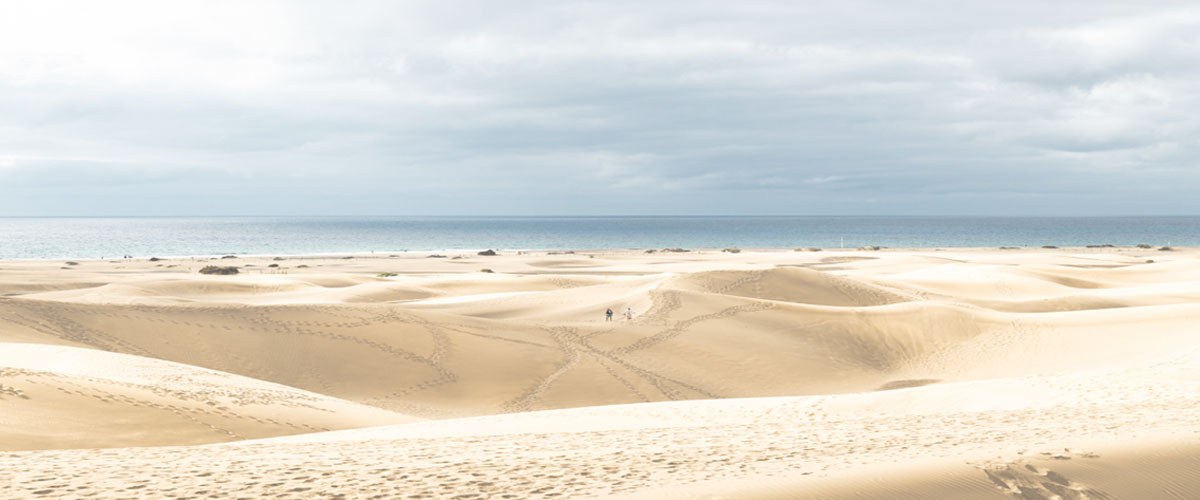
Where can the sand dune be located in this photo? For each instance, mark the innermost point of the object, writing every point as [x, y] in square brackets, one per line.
[67, 397]
[811, 371]
[790, 284]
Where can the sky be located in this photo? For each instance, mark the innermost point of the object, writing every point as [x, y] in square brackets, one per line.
[531, 107]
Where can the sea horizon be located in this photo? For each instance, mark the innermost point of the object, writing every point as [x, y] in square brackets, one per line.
[96, 237]
[594, 216]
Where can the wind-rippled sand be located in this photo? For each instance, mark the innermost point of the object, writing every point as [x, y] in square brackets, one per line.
[1029, 374]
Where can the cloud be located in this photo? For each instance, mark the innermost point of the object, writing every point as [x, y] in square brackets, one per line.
[613, 107]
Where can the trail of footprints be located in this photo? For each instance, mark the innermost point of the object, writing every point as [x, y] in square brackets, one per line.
[568, 341]
[574, 346]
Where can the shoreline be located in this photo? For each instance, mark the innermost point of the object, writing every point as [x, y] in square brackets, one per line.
[471, 252]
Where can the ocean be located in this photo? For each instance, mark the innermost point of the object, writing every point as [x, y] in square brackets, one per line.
[108, 237]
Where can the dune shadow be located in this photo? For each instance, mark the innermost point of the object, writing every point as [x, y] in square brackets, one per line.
[907, 383]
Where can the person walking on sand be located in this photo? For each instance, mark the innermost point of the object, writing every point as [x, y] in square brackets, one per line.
[608, 314]
[628, 313]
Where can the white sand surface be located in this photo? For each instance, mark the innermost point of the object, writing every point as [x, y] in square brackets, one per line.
[467, 298]
[930, 373]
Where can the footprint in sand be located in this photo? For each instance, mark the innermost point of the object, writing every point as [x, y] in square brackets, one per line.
[1030, 482]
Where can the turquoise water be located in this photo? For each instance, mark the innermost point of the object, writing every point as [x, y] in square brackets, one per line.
[82, 237]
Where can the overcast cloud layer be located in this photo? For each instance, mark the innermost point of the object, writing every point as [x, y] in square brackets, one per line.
[550, 107]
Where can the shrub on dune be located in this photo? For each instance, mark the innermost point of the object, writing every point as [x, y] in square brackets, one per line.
[220, 270]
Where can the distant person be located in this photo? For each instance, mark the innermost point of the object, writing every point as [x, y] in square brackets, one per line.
[628, 313]
[608, 314]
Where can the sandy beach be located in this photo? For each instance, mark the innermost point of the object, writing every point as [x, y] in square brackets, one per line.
[1064, 373]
